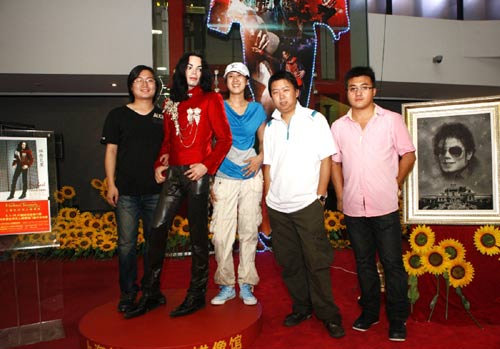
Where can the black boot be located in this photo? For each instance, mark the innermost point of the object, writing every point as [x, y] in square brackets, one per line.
[148, 302]
[191, 304]
[126, 302]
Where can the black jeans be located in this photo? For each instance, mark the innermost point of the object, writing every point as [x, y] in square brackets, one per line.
[382, 234]
[176, 188]
[303, 250]
[19, 171]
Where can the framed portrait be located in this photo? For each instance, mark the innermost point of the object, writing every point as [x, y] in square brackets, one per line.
[455, 178]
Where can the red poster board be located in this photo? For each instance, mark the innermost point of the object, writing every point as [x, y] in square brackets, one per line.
[27, 216]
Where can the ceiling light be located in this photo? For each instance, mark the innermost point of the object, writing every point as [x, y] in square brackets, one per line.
[114, 84]
[161, 68]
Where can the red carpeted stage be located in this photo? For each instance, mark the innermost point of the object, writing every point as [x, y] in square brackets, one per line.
[88, 285]
[233, 325]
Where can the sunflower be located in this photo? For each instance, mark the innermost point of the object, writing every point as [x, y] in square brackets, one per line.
[454, 249]
[176, 225]
[331, 222]
[95, 223]
[109, 218]
[59, 196]
[63, 213]
[88, 232]
[97, 240]
[96, 183]
[184, 228]
[341, 219]
[104, 193]
[487, 240]
[460, 273]
[68, 192]
[109, 232]
[108, 244]
[72, 213]
[422, 238]
[435, 260]
[84, 243]
[413, 263]
[66, 243]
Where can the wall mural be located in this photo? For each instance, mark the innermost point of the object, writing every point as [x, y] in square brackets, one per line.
[279, 34]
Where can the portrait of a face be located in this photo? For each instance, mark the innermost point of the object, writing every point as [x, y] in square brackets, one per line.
[454, 149]
[452, 155]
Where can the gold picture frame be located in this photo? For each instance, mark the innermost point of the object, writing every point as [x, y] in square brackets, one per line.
[455, 178]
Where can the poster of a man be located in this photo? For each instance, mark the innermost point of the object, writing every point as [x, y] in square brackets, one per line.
[455, 163]
[23, 159]
[24, 169]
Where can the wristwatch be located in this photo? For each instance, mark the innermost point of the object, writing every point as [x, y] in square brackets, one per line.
[322, 198]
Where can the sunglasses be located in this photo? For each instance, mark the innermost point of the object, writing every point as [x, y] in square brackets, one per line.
[454, 151]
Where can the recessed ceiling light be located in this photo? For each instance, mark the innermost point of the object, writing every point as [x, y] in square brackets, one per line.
[114, 84]
[161, 68]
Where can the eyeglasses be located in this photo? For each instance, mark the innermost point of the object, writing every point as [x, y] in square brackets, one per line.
[140, 81]
[454, 151]
[356, 89]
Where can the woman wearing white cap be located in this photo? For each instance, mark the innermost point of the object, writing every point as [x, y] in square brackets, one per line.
[237, 191]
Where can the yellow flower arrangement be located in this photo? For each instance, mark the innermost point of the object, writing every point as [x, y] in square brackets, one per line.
[460, 273]
[422, 238]
[435, 260]
[336, 229]
[454, 249]
[487, 240]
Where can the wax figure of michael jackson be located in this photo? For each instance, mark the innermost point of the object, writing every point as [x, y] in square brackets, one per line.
[193, 117]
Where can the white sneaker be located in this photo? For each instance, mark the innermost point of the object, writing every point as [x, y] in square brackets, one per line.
[226, 293]
[247, 295]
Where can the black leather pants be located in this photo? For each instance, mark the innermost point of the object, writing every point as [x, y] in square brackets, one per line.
[176, 188]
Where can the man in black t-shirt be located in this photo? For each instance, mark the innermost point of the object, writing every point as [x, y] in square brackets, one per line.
[133, 134]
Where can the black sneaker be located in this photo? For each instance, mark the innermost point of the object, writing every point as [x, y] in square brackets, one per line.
[294, 319]
[363, 323]
[334, 330]
[397, 331]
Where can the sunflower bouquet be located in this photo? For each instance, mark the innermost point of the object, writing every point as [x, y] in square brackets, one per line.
[336, 229]
[446, 259]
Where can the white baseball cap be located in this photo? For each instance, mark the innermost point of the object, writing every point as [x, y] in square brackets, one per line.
[237, 67]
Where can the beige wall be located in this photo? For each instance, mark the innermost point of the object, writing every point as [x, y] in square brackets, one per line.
[401, 48]
[74, 36]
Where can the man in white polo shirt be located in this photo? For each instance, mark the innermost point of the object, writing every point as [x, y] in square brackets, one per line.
[297, 160]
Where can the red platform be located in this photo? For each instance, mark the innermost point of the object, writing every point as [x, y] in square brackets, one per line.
[234, 323]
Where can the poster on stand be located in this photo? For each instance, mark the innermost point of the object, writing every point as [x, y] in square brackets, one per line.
[24, 186]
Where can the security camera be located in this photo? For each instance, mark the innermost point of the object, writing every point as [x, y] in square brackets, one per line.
[437, 59]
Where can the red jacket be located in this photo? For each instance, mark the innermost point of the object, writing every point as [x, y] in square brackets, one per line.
[24, 158]
[193, 142]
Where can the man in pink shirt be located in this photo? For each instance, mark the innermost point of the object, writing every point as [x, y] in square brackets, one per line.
[375, 154]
